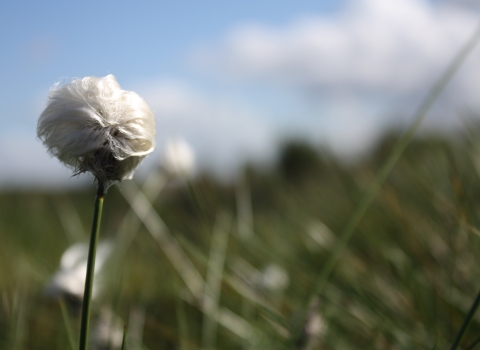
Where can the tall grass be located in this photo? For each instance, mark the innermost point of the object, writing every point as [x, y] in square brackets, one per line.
[406, 280]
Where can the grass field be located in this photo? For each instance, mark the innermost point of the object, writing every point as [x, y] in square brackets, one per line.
[233, 266]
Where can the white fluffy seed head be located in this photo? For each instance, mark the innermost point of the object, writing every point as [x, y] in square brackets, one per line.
[91, 124]
[178, 158]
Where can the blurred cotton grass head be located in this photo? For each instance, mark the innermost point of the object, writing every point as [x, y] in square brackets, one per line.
[178, 158]
[92, 125]
[69, 280]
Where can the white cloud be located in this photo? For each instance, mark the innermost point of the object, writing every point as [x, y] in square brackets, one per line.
[360, 70]
[393, 46]
[222, 132]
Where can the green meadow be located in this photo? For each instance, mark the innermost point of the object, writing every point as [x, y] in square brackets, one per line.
[247, 264]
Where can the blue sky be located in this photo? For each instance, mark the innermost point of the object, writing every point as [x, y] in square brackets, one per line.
[232, 78]
[135, 40]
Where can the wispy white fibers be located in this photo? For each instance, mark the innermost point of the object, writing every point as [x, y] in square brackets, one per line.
[91, 124]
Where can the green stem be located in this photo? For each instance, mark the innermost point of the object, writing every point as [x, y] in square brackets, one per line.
[87, 295]
[466, 323]
[124, 337]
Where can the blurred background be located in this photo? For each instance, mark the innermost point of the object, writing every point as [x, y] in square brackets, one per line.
[283, 113]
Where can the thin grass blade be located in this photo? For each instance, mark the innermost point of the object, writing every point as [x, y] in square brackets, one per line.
[216, 263]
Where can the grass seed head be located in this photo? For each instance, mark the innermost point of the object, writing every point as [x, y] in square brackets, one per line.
[91, 124]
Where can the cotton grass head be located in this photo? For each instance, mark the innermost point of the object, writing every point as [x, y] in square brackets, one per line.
[69, 280]
[91, 124]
